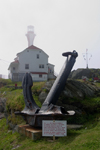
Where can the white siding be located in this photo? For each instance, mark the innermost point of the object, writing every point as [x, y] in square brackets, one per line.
[30, 57]
[35, 77]
[51, 71]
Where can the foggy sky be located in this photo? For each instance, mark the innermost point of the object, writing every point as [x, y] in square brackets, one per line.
[59, 25]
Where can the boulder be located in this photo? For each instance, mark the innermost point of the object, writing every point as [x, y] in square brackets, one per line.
[73, 90]
[2, 104]
[42, 97]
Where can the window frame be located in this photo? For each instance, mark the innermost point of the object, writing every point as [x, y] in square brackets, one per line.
[40, 75]
[13, 68]
[41, 65]
[38, 56]
[26, 66]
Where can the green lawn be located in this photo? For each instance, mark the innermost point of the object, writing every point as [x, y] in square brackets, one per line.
[87, 138]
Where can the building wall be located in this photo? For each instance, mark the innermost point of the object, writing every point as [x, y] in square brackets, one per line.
[38, 66]
[51, 71]
[36, 77]
[29, 56]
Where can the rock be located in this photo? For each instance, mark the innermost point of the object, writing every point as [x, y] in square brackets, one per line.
[73, 90]
[77, 74]
[2, 104]
[89, 73]
[49, 84]
[11, 125]
[74, 126]
[80, 90]
[47, 87]
[15, 129]
[15, 147]
[42, 97]
[2, 115]
[1, 108]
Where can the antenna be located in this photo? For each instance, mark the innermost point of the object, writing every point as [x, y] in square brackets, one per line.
[87, 57]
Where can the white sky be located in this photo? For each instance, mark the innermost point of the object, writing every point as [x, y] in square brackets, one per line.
[59, 25]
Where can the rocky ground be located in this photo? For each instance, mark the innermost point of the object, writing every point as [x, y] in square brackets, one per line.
[1, 115]
[73, 90]
[2, 107]
[89, 73]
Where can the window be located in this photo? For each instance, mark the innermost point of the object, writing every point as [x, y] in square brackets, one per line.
[41, 66]
[37, 56]
[13, 68]
[26, 66]
[40, 75]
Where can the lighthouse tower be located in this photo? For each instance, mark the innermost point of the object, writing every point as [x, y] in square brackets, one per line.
[30, 35]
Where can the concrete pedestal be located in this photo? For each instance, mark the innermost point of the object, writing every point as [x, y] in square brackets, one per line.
[36, 134]
[30, 132]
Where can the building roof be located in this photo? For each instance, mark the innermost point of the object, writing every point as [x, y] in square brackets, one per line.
[38, 73]
[32, 47]
[51, 64]
[13, 63]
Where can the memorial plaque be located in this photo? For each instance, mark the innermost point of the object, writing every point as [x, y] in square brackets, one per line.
[54, 128]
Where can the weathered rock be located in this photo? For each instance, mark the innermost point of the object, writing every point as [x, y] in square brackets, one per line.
[2, 104]
[42, 97]
[15, 129]
[1, 108]
[12, 126]
[74, 126]
[80, 90]
[49, 84]
[2, 115]
[74, 90]
[89, 73]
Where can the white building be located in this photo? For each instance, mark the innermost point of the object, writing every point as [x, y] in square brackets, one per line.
[33, 60]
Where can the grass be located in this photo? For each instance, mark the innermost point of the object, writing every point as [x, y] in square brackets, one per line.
[15, 99]
[86, 138]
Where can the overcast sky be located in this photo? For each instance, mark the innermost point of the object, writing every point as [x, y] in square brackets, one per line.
[59, 25]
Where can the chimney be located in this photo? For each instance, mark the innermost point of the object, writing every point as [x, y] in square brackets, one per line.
[30, 35]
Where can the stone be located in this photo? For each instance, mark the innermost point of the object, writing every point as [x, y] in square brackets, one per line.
[1, 108]
[74, 90]
[74, 126]
[89, 73]
[49, 84]
[42, 97]
[2, 104]
[30, 132]
[2, 115]
[15, 129]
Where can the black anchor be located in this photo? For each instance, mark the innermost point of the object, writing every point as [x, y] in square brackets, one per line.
[34, 115]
